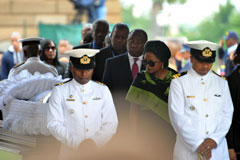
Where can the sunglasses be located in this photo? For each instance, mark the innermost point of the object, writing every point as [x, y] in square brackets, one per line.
[52, 47]
[150, 63]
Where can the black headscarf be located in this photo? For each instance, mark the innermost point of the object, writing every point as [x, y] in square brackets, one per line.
[159, 49]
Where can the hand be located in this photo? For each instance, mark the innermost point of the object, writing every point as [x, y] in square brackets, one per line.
[232, 154]
[221, 42]
[206, 147]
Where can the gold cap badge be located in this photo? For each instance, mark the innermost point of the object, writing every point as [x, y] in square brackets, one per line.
[207, 52]
[85, 60]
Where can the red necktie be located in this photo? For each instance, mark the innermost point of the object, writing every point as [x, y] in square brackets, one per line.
[135, 68]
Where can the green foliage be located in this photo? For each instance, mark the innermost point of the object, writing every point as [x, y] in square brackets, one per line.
[214, 27]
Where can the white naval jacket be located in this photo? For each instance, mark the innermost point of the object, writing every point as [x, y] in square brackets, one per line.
[78, 112]
[200, 107]
[33, 64]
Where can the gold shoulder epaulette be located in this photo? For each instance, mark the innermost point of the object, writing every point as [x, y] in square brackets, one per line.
[18, 65]
[175, 76]
[100, 83]
[219, 75]
[61, 83]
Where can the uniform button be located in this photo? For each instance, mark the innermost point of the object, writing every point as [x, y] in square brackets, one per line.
[203, 83]
[71, 111]
[206, 115]
[204, 99]
[86, 130]
[86, 116]
[192, 108]
[84, 102]
[206, 132]
[82, 90]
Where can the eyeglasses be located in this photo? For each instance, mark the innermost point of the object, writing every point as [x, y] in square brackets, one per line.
[150, 63]
[52, 47]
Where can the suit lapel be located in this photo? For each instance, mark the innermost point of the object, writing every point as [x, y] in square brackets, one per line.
[128, 68]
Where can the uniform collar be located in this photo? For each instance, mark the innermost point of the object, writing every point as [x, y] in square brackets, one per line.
[87, 85]
[33, 59]
[195, 74]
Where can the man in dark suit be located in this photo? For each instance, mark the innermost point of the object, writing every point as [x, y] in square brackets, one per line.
[120, 71]
[233, 138]
[99, 31]
[118, 46]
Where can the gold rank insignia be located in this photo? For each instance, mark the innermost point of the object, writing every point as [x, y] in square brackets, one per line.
[176, 75]
[71, 111]
[70, 99]
[192, 108]
[61, 83]
[85, 60]
[100, 83]
[190, 96]
[206, 52]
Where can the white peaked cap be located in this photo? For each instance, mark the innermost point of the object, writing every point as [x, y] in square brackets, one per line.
[202, 44]
[78, 53]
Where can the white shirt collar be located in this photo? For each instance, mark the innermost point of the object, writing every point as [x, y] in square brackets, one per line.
[232, 48]
[131, 61]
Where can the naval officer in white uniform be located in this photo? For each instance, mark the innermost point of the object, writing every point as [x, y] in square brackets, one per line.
[32, 64]
[200, 108]
[81, 111]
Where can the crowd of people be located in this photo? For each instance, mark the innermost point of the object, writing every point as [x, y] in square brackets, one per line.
[120, 90]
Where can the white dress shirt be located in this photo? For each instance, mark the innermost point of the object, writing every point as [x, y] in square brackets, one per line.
[139, 62]
[200, 107]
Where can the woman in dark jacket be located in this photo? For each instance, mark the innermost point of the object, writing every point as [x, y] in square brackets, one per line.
[148, 96]
[233, 137]
[50, 56]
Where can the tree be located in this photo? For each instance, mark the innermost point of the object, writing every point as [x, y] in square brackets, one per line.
[214, 27]
[157, 7]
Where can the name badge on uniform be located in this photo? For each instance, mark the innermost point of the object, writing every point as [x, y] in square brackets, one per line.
[190, 96]
[70, 99]
[96, 98]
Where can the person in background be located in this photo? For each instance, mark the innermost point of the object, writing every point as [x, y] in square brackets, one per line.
[226, 57]
[107, 40]
[176, 57]
[233, 79]
[148, 96]
[63, 46]
[118, 46]
[197, 101]
[88, 38]
[186, 63]
[86, 29]
[81, 112]
[31, 50]
[13, 56]
[50, 56]
[99, 30]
